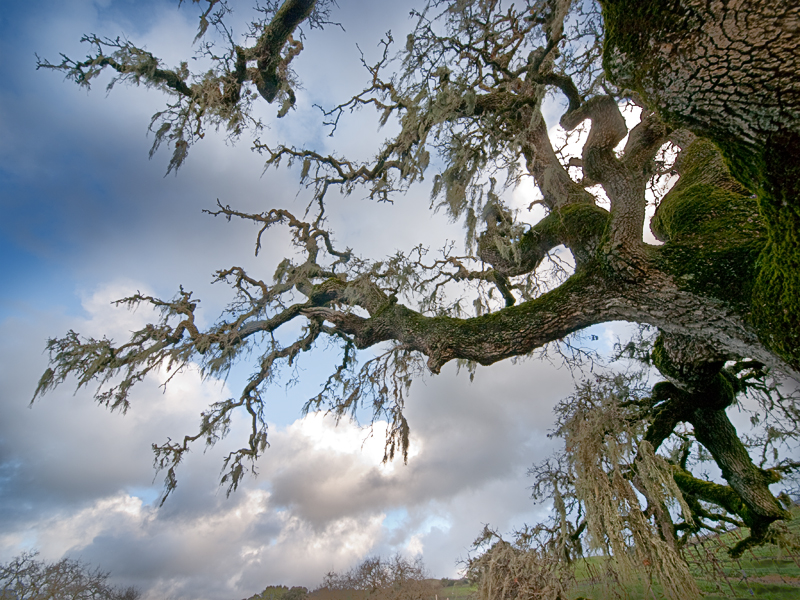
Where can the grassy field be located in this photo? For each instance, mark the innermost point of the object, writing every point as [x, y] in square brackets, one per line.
[456, 590]
[765, 573]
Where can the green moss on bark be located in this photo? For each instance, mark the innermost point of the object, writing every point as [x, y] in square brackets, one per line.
[629, 29]
[721, 495]
[713, 230]
[577, 226]
[776, 299]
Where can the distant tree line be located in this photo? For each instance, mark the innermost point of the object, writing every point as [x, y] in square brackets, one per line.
[396, 578]
[28, 578]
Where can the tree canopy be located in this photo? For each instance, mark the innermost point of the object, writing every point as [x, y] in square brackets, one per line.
[719, 100]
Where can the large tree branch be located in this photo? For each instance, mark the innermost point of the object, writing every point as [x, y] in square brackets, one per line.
[644, 141]
[624, 188]
[214, 97]
[582, 300]
[713, 429]
[267, 50]
[579, 227]
[557, 187]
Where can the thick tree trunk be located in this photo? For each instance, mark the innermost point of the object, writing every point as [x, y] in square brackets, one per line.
[727, 70]
[713, 429]
[700, 392]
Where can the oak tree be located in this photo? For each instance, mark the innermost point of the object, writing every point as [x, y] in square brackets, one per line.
[717, 88]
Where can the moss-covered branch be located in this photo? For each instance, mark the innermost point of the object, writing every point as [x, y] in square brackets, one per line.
[582, 300]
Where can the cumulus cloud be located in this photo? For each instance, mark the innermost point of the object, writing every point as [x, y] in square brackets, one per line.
[321, 502]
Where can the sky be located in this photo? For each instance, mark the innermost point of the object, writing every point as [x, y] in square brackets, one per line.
[87, 218]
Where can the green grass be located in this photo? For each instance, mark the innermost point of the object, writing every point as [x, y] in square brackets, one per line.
[457, 589]
[764, 573]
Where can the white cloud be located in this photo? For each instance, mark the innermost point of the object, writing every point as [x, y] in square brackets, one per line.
[59, 534]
